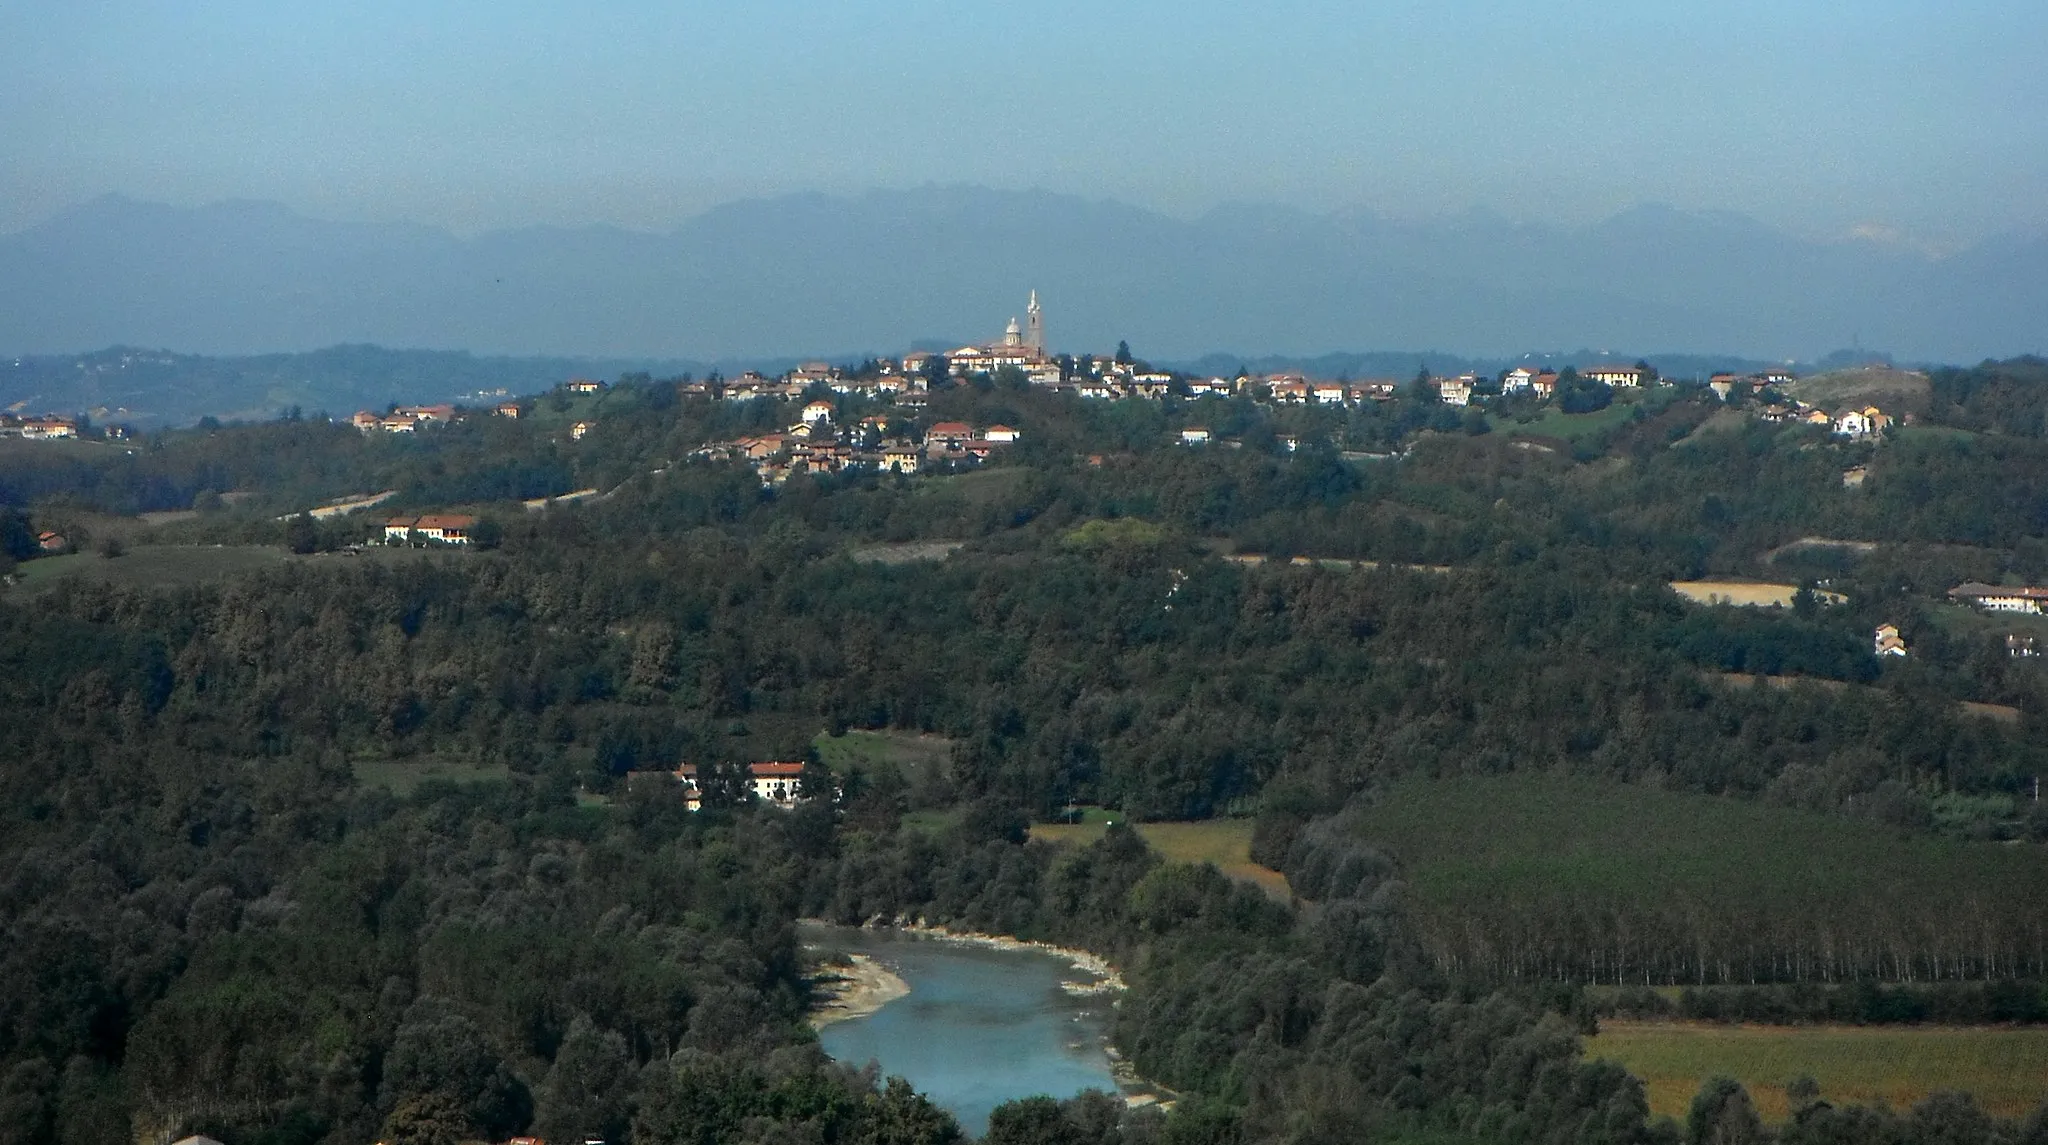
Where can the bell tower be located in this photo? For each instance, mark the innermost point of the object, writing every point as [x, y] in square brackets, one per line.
[1034, 327]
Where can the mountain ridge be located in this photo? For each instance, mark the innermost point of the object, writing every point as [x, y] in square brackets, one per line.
[806, 273]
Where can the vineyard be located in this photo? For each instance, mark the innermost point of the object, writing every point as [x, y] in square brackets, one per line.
[1521, 878]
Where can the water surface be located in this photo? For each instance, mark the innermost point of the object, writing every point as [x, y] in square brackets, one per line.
[979, 1027]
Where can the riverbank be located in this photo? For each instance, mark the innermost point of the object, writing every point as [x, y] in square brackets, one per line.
[854, 990]
[1107, 980]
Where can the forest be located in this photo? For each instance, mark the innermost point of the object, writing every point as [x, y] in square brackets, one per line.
[218, 923]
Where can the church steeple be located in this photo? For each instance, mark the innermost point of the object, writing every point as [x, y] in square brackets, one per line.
[1034, 332]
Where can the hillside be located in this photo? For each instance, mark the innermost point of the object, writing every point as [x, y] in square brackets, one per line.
[1892, 390]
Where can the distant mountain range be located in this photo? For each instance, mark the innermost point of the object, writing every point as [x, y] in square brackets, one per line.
[876, 272]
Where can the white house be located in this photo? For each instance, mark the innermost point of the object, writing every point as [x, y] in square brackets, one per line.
[1517, 380]
[1455, 391]
[1859, 424]
[1194, 436]
[1001, 434]
[817, 412]
[776, 783]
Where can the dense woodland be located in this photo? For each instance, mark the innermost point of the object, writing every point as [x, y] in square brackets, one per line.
[214, 926]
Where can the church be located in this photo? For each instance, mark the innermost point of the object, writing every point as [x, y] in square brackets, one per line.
[1022, 347]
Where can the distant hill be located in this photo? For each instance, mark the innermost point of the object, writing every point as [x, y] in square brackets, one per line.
[155, 387]
[882, 270]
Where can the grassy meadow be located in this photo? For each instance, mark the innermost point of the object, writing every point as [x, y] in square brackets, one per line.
[2005, 1067]
[918, 757]
[1224, 842]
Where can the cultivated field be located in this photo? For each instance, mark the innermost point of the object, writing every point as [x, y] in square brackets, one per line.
[1746, 594]
[153, 566]
[1528, 876]
[1224, 842]
[2005, 1067]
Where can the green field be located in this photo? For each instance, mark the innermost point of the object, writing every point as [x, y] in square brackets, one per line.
[917, 756]
[151, 566]
[1553, 422]
[1224, 842]
[403, 776]
[1536, 876]
[2006, 1068]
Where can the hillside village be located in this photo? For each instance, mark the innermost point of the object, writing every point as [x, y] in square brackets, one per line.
[893, 442]
[812, 442]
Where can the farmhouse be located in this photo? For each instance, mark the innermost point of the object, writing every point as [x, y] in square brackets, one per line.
[2001, 598]
[446, 529]
[1887, 642]
[774, 783]
[48, 428]
[584, 386]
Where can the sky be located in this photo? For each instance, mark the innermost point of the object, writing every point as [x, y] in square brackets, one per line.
[1918, 120]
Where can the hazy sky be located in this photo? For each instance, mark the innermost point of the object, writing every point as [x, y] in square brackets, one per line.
[1927, 117]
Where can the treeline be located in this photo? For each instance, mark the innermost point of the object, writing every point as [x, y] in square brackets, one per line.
[1859, 1004]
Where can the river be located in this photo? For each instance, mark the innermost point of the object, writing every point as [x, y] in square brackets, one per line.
[979, 1026]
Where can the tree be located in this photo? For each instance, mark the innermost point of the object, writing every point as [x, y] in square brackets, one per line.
[488, 534]
[299, 534]
[1031, 1121]
[1722, 1114]
[427, 1119]
[902, 1116]
[17, 537]
[1420, 389]
[584, 1094]
[1123, 353]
